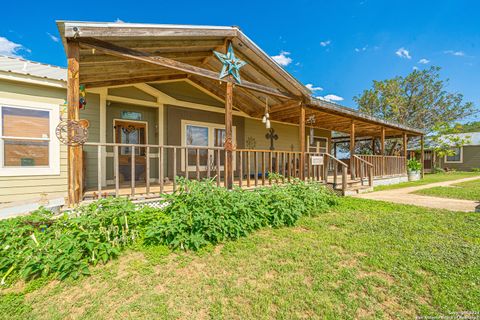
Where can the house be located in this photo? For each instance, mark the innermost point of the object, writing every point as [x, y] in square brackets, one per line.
[156, 108]
[467, 157]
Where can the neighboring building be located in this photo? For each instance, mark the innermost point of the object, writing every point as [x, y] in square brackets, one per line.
[467, 157]
[173, 117]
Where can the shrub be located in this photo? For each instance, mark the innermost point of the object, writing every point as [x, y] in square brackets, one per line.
[196, 215]
[201, 213]
[414, 165]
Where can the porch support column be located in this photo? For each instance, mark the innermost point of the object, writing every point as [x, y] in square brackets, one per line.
[228, 136]
[352, 149]
[405, 147]
[103, 133]
[382, 149]
[373, 145]
[73, 96]
[301, 136]
[422, 154]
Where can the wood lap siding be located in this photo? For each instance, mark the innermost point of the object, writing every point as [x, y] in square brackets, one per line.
[19, 188]
[471, 159]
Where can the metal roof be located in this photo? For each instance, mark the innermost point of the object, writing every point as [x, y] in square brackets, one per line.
[31, 68]
[473, 137]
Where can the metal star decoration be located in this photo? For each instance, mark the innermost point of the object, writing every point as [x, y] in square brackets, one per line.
[231, 64]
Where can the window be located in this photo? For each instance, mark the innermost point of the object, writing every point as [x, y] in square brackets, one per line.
[26, 144]
[457, 158]
[318, 143]
[203, 134]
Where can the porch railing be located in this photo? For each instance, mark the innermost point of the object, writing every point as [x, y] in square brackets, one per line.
[162, 163]
[363, 169]
[386, 165]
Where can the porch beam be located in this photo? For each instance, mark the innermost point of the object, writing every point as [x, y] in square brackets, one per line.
[73, 96]
[126, 81]
[301, 134]
[128, 53]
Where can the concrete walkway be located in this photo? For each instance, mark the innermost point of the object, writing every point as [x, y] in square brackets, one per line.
[405, 196]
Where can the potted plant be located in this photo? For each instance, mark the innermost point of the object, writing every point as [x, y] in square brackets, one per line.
[413, 169]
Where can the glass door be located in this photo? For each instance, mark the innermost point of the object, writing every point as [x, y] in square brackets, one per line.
[134, 133]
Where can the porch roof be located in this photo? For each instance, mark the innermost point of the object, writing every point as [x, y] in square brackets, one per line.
[125, 53]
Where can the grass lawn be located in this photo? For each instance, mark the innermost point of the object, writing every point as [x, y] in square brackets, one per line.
[364, 259]
[430, 178]
[468, 190]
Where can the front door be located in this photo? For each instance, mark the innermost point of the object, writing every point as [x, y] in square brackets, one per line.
[133, 133]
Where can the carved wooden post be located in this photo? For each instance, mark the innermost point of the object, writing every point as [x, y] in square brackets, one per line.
[73, 95]
[301, 134]
[352, 149]
[228, 136]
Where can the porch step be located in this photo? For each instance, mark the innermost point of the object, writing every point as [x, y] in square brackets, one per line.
[357, 190]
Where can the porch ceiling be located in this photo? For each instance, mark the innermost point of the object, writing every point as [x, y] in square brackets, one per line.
[192, 47]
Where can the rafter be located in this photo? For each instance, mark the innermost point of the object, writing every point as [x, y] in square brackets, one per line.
[172, 64]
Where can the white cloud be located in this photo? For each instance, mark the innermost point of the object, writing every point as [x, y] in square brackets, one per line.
[54, 39]
[325, 43]
[119, 21]
[415, 68]
[332, 97]
[361, 49]
[424, 61]
[403, 53]
[312, 88]
[455, 53]
[10, 48]
[283, 58]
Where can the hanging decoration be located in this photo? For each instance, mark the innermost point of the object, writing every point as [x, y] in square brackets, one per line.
[231, 64]
[63, 110]
[272, 135]
[266, 115]
[83, 97]
[311, 122]
[72, 133]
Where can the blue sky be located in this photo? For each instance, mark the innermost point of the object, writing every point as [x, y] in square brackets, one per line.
[339, 47]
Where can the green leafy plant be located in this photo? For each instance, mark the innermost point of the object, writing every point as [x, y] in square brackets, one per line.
[414, 165]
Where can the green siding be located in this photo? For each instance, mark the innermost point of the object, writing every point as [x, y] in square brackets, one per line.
[182, 90]
[471, 159]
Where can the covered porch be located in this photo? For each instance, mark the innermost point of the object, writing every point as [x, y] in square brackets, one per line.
[162, 63]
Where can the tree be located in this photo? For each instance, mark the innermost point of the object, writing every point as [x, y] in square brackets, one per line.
[419, 100]
[473, 126]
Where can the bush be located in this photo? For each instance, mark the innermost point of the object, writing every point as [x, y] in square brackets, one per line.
[202, 213]
[414, 165]
[198, 214]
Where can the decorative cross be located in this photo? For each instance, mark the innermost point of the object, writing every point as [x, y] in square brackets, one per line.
[231, 64]
[272, 136]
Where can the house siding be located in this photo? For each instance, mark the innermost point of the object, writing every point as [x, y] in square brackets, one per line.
[471, 159]
[19, 188]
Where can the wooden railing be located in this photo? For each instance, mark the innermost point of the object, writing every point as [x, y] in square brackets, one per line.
[386, 165]
[363, 169]
[150, 165]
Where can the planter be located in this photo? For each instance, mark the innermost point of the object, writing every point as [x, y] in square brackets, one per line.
[413, 175]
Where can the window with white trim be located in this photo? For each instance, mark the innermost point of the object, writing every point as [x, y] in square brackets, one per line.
[455, 158]
[204, 134]
[26, 144]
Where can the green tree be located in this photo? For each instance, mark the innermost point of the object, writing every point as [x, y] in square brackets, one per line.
[419, 100]
[473, 126]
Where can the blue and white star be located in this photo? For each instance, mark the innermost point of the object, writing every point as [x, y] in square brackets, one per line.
[231, 64]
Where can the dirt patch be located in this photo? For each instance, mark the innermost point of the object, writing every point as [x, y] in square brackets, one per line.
[300, 229]
[377, 274]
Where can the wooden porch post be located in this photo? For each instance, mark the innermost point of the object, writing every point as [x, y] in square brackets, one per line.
[352, 149]
[373, 145]
[301, 136]
[422, 154]
[73, 95]
[228, 136]
[382, 149]
[405, 147]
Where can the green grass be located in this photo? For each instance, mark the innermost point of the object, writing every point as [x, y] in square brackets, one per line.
[468, 190]
[430, 178]
[363, 259]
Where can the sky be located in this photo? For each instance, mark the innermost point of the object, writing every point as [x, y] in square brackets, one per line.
[337, 48]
